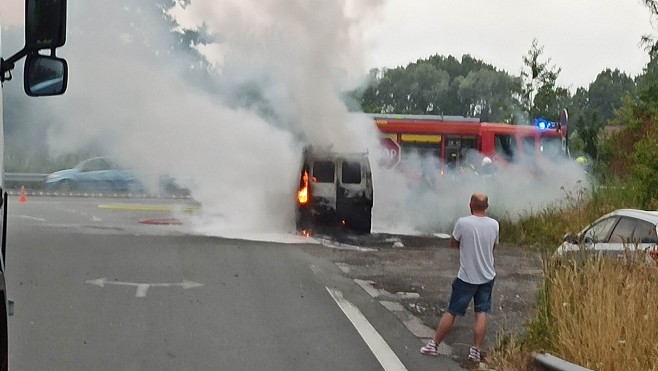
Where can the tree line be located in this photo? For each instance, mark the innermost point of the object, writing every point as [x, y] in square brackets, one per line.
[446, 85]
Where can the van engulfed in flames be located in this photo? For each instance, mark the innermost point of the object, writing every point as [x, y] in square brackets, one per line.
[335, 190]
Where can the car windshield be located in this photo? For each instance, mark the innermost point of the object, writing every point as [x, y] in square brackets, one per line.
[600, 231]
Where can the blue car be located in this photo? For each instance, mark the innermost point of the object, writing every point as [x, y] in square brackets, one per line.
[94, 174]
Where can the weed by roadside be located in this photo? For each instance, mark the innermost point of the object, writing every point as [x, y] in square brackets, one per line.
[600, 313]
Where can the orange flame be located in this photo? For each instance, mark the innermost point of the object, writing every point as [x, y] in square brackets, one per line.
[302, 194]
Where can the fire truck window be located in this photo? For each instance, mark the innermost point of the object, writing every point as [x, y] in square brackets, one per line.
[413, 153]
[505, 146]
[528, 146]
[551, 147]
[351, 172]
[457, 148]
[323, 171]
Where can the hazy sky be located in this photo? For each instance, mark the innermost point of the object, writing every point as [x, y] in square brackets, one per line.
[581, 37]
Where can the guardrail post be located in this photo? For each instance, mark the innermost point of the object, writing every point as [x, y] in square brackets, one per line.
[548, 362]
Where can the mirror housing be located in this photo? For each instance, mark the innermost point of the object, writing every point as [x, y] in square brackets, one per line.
[570, 238]
[45, 24]
[45, 75]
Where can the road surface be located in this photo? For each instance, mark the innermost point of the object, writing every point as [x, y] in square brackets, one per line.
[95, 289]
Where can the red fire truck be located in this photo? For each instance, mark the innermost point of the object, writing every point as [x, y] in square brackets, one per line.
[457, 142]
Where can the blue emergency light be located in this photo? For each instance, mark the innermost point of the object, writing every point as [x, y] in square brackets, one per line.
[544, 124]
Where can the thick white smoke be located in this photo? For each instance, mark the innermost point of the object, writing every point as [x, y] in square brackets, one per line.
[413, 205]
[128, 98]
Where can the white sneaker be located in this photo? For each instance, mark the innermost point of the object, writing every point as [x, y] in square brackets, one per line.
[474, 355]
[431, 349]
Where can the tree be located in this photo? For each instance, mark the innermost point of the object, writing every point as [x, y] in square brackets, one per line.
[486, 94]
[442, 86]
[540, 94]
[606, 92]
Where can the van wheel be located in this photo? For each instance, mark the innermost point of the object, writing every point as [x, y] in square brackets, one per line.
[362, 223]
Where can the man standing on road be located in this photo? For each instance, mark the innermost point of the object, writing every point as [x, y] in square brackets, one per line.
[476, 237]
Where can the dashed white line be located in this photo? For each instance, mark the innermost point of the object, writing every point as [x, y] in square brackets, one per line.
[384, 354]
[315, 269]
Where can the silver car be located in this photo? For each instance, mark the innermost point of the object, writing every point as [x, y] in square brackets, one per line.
[616, 233]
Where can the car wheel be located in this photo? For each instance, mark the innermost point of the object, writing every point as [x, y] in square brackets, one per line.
[66, 186]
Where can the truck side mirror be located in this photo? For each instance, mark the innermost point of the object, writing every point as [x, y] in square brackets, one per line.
[45, 75]
[45, 24]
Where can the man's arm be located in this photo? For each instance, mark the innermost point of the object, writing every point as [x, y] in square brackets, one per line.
[454, 243]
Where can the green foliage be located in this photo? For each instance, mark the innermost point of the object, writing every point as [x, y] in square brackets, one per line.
[606, 93]
[442, 86]
[540, 94]
[645, 167]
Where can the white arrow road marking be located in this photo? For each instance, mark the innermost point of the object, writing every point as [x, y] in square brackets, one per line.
[384, 354]
[142, 288]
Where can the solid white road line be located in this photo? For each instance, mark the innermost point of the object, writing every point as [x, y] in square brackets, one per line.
[377, 344]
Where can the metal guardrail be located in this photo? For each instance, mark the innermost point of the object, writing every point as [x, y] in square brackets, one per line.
[35, 184]
[548, 362]
[29, 180]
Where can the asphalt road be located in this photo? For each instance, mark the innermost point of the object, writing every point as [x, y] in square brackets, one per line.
[95, 289]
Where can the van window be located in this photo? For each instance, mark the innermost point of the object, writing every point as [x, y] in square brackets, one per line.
[351, 172]
[323, 171]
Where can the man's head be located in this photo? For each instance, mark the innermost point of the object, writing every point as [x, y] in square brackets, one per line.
[479, 203]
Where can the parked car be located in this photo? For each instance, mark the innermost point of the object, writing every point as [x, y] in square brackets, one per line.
[616, 233]
[94, 174]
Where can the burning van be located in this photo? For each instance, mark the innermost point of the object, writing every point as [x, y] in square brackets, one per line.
[335, 189]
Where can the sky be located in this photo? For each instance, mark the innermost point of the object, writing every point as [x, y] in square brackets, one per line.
[581, 37]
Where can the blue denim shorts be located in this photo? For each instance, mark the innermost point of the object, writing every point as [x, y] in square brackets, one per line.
[463, 292]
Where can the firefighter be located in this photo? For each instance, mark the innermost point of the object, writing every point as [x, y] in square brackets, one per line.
[487, 167]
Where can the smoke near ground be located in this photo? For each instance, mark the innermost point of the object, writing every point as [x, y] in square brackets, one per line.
[413, 206]
[235, 139]
[233, 131]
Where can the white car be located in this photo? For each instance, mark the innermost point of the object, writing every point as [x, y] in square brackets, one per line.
[615, 233]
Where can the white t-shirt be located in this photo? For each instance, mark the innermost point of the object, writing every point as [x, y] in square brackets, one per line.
[477, 236]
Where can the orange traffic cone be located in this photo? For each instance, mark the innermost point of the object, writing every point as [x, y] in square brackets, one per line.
[22, 198]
